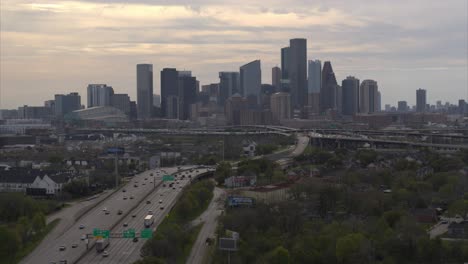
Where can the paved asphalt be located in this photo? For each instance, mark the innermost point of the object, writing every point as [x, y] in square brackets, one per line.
[48, 251]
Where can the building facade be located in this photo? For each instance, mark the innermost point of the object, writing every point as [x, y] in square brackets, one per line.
[314, 81]
[276, 77]
[144, 90]
[121, 102]
[169, 88]
[328, 90]
[229, 84]
[421, 100]
[298, 72]
[65, 104]
[280, 106]
[251, 82]
[368, 97]
[99, 95]
[350, 89]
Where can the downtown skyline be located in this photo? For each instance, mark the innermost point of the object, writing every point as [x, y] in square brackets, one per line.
[399, 58]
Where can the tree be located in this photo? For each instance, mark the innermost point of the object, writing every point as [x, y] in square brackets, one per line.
[279, 255]
[223, 171]
[9, 245]
[351, 249]
[38, 222]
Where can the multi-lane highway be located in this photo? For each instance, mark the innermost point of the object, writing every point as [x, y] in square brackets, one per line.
[96, 218]
[124, 250]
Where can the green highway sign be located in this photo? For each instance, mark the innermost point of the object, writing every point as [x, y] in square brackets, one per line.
[105, 233]
[146, 233]
[101, 233]
[168, 178]
[130, 233]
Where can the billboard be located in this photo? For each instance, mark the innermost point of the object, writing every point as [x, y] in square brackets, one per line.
[115, 150]
[229, 244]
[235, 201]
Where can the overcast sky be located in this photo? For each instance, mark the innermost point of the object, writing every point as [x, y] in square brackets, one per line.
[49, 47]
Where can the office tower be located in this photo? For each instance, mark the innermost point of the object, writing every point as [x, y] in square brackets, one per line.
[212, 90]
[388, 108]
[65, 104]
[402, 106]
[368, 97]
[265, 93]
[276, 77]
[251, 82]
[420, 100]
[280, 106]
[229, 84]
[122, 102]
[156, 100]
[169, 87]
[350, 96]
[235, 109]
[461, 107]
[144, 90]
[99, 95]
[328, 91]
[298, 72]
[285, 59]
[314, 81]
[34, 112]
[51, 105]
[187, 95]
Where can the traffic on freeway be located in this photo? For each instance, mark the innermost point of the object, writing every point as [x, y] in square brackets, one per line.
[71, 245]
[158, 204]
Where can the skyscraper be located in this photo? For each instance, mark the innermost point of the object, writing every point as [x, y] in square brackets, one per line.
[65, 104]
[276, 77]
[350, 96]
[368, 97]
[461, 107]
[420, 100]
[169, 87]
[187, 95]
[280, 106]
[328, 91]
[251, 82]
[298, 72]
[285, 59]
[99, 95]
[144, 90]
[314, 81]
[235, 109]
[402, 106]
[229, 84]
[122, 102]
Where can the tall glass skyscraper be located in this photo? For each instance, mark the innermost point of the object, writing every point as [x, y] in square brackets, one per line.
[251, 81]
[350, 96]
[144, 90]
[314, 81]
[328, 91]
[298, 72]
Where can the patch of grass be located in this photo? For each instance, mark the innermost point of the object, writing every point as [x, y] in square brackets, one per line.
[35, 241]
